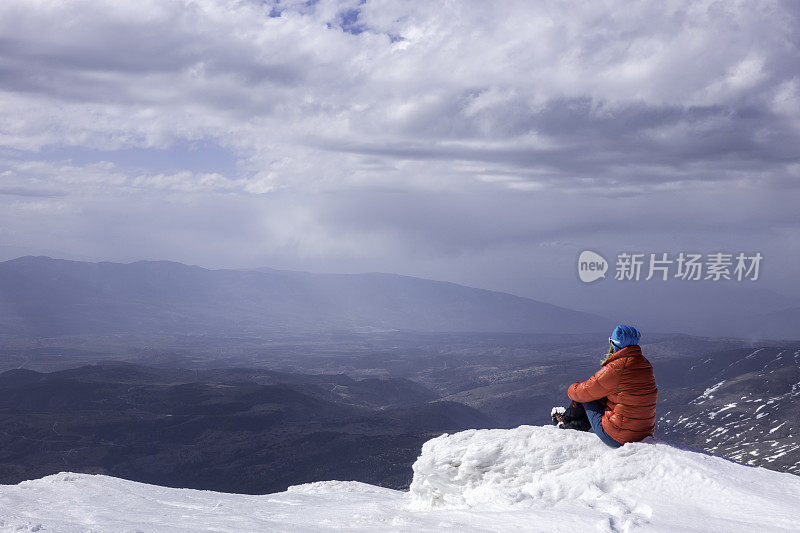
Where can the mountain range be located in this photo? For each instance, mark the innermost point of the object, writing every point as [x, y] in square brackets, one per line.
[40, 296]
[235, 430]
[212, 428]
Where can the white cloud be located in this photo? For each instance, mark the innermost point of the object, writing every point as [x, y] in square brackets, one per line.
[110, 75]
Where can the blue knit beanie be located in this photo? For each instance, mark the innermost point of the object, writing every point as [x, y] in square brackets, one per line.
[624, 336]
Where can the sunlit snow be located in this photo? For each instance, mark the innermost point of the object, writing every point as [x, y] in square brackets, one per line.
[525, 479]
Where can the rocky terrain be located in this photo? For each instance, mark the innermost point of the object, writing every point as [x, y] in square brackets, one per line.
[742, 405]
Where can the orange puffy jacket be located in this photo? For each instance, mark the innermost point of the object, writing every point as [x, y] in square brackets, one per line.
[627, 383]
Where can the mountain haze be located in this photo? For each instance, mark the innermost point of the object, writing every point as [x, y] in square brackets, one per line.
[40, 296]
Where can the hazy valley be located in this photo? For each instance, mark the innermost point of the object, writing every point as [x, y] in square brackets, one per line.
[185, 377]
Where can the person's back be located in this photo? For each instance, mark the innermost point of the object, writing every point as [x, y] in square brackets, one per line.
[620, 399]
[631, 406]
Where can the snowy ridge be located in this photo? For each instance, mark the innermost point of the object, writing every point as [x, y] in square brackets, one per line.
[749, 417]
[708, 393]
[527, 478]
[749, 414]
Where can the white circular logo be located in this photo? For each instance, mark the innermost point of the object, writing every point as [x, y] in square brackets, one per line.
[591, 266]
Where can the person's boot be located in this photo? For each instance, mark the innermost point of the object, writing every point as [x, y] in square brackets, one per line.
[574, 417]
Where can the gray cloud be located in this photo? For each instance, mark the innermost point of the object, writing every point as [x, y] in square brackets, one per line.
[451, 140]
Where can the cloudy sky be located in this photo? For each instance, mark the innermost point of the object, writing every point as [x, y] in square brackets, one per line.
[480, 142]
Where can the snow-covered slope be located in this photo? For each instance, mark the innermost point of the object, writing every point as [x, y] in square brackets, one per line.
[749, 414]
[527, 479]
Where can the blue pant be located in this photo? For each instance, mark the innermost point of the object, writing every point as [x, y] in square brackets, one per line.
[594, 411]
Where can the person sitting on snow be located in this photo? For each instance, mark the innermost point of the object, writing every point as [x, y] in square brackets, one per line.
[620, 398]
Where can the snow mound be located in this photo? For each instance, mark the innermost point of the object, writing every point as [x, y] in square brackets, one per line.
[333, 487]
[652, 482]
[80, 503]
[525, 479]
